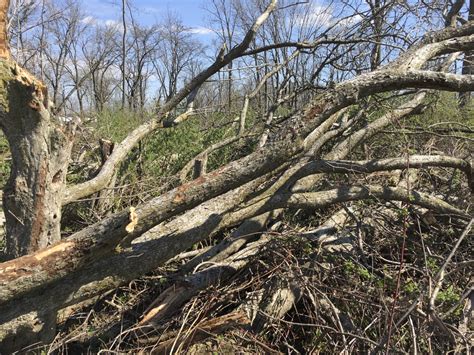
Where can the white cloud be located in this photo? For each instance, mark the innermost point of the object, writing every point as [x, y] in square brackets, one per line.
[315, 15]
[350, 21]
[89, 20]
[92, 21]
[199, 30]
[111, 23]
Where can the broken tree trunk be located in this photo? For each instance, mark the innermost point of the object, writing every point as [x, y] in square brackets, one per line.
[4, 45]
[172, 299]
[40, 151]
[76, 268]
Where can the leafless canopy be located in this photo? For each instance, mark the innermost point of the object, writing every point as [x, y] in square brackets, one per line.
[300, 91]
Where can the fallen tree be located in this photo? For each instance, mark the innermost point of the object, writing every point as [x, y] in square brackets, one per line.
[47, 274]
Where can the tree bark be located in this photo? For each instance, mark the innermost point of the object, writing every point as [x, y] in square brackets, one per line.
[40, 151]
[468, 64]
[4, 45]
[124, 52]
[92, 261]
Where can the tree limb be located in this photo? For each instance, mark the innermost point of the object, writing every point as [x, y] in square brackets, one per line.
[121, 150]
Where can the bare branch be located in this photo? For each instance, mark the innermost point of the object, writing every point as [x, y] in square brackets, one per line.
[438, 281]
[121, 150]
[370, 166]
[314, 200]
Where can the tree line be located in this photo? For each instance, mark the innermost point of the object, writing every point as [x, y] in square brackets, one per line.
[302, 89]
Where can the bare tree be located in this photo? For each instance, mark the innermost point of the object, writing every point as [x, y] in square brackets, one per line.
[100, 52]
[177, 51]
[61, 35]
[124, 50]
[279, 172]
[144, 43]
[468, 63]
[224, 14]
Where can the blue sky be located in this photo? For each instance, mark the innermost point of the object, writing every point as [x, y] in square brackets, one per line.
[148, 11]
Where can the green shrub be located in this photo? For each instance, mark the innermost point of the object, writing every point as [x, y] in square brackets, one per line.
[115, 125]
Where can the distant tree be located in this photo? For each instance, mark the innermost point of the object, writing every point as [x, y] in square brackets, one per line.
[281, 167]
[177, 52]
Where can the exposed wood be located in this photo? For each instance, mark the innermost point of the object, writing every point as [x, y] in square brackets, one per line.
[33, 194]
[4, 44]
[130, 243]
[171, 300]
[156, 247]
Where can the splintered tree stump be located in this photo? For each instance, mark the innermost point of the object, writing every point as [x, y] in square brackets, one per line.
[40, 149]
[4, 45]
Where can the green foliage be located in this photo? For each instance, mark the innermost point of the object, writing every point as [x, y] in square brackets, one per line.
[432, 264]
[403, 212]
[410, 287]
[352, 269]
[4, 162]
[115, 125]
[91, 330]
[445, 107]
[450, 295]
[168, 150]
